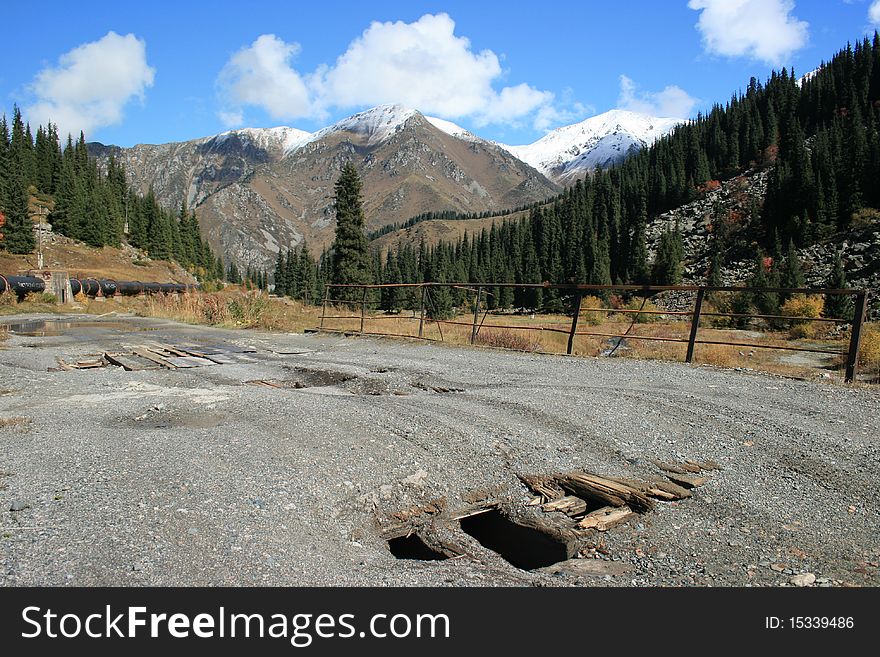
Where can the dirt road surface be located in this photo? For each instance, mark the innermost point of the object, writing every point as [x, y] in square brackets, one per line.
[195, 476]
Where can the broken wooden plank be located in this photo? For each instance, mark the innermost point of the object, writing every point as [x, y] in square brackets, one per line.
[168, 348]
[606, 518]
[543, 485]
[130, 362]
[688, 480]
[569, 505]
[143, 352]
[535, 501]
[587, 485]
[659, 488]
[667, 490]
[64, 366]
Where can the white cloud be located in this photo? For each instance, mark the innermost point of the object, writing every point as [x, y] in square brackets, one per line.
[672, 101]
[761, 29]
[425, 65]
[91, 84]
[260, 75]
[874, 13]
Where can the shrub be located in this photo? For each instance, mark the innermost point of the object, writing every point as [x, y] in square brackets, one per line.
[807, 306]
[507, 340]
[642, 318]
[869, 354]
[41, 297]
[592, 317]
[8, 298]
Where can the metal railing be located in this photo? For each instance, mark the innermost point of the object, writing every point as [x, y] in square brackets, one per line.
[577, 294]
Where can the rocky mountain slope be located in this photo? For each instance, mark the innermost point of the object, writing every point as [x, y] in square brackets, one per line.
[258, 191]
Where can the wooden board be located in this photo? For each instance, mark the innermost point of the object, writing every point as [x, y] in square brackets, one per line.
[143, 352]
[590, 486]
[543, 485]
[569, 505]
[131, 362]
[605, 518]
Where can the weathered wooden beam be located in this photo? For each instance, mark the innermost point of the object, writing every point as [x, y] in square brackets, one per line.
[587, 485]
[569, 505]
[544, 485]
[605, 518]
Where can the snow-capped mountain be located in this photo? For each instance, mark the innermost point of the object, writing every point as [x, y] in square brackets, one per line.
[597, 142]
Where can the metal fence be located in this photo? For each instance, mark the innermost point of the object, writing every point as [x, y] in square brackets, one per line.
[576, 293]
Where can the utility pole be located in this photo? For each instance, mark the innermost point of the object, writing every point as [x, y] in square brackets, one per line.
[40, 214]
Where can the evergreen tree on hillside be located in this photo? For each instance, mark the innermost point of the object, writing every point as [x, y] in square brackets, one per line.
[667, 268]
[838, 306]
[351, 258]
[18, 233]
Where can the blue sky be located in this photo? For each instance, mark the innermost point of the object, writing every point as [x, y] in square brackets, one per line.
[163, 71]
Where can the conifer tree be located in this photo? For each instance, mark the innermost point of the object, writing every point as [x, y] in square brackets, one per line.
[351, 258]
[18, 233]
[838, 306]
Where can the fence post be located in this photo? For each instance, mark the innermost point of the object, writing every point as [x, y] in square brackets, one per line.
[422, 313]
[574, 322]
[855, 339]
[324, 304]
[476, 313]
[695, 324]
[363, 308]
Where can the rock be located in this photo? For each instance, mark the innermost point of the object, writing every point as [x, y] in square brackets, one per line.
[416, 479]
[385, 491]
[19, 505]
[804, 579]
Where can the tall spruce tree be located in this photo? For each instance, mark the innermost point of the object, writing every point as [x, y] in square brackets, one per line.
[352, 263]
[18, 233]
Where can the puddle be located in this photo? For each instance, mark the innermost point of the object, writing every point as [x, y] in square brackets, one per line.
[413, 547]
[522, 546]
[46, 328]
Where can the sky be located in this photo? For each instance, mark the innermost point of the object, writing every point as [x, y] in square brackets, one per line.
[159, 71]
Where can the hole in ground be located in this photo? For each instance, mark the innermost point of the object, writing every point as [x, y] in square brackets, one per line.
[524, 547]
[413, 547]
[313, 378]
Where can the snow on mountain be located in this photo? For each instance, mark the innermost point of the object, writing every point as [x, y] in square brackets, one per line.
[597, 142]
[377, 124]
[451, 128]
[283, 138]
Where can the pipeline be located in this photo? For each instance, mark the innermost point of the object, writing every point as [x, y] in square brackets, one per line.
[21, 285]
[91, 287]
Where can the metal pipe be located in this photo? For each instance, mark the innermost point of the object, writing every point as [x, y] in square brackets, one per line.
[21, 285]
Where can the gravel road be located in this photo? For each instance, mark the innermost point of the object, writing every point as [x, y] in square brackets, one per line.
[195, 477]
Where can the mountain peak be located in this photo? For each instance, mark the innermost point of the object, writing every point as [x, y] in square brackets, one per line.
[377, 123]
[596, 142]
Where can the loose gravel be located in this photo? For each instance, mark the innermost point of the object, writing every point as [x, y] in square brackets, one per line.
[197, 477]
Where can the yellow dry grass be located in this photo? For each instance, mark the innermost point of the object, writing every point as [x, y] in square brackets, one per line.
[237, 308]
